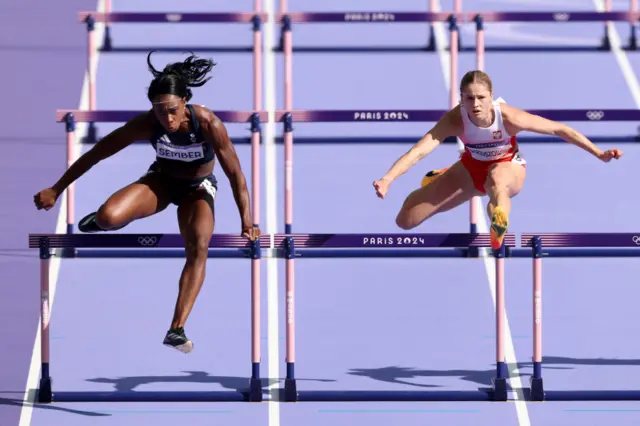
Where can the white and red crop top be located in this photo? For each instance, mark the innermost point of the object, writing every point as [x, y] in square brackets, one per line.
[487, 143]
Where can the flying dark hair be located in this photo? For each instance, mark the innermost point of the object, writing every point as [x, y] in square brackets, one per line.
[177, 78]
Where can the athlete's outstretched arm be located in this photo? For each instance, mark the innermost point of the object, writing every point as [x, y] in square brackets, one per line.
[217, 134]
[135, 129]
[444, 128]
[523, 120]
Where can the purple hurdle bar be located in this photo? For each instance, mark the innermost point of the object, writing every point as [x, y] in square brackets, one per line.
[463, 17]
[389, 245]
[91, 17]
[413, 115]
[138, 245]
[572, 245]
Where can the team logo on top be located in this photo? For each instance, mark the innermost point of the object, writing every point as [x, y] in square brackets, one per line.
[497, 134]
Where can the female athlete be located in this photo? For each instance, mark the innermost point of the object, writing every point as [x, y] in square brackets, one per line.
[490, 164]
[186, 138]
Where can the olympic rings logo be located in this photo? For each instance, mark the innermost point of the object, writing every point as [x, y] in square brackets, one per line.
[561, 16]
[147, 241]
[595, 115]
[636, 240]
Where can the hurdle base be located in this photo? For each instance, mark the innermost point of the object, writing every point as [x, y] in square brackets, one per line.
[633, 40]
[537, 389]
[593, 395]
[107, 43]
[151, 396]
[44, 390]
[92, 134]
[255, 390]
[291, 390]
[606, 41]
[431, 44]
[499, 389]
[393, 396]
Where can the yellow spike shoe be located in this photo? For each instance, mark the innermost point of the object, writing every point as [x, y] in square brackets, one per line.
[431, 176]
[499, 226]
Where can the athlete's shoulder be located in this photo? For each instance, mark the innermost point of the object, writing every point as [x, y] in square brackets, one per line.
[453, 117]
[207, 118]
[450, 124]
[508, 111]
[144, 117]
[141, 123]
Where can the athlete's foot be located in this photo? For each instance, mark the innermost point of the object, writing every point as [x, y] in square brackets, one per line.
[176, 339]
[499, 226]
[431, 176]
[88, 225]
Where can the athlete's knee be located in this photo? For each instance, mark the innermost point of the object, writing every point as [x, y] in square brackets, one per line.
[197, 247]
[404, 220]
[109, 216]
[495, 181]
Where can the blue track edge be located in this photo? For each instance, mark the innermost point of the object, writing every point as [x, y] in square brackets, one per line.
[364, 396]
[592, 395]
[151, 396]
[237, 253]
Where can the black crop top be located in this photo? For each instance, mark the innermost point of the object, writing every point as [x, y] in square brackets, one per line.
[191, 148]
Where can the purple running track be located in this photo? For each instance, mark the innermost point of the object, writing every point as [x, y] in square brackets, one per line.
[414, 324]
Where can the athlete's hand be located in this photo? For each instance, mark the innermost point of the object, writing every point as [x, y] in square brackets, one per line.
[45, 199]
[251, 232]
[381, 186]
[610, 154]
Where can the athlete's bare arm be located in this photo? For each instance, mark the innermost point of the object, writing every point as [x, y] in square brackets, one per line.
[448, 125]
[517, 120]
[138, 128]
[216, 133]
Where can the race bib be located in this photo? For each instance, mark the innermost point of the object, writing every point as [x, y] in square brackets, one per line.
[180, 153]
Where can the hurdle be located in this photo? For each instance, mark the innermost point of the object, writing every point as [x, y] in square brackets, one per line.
[454, 21]
[347, 245]
[608, 7]
[566, 245]
[562, 16]
[293, 246]
[71, 117]
[364, 17]
[256, 18]
[145, 246]
[399, 115]
[372, 16]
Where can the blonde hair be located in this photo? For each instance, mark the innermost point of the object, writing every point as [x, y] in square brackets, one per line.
[476, 76]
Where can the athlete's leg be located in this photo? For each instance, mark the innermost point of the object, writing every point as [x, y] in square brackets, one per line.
[145, 197]
[504, 181]
[448, 191]
[196, 220]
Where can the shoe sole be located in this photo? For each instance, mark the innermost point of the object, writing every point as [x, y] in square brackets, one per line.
[185, 348]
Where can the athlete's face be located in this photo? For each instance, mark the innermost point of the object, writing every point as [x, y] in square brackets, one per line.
[170, 111]
[477, 99]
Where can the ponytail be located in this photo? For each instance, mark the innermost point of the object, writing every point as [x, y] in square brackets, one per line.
[177, 78]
